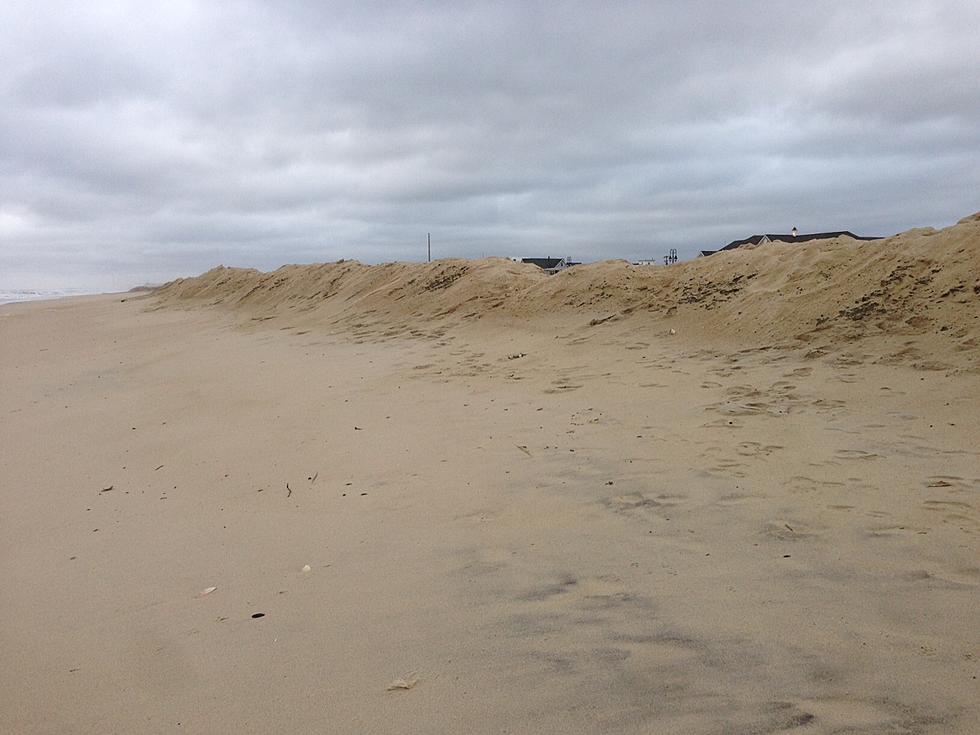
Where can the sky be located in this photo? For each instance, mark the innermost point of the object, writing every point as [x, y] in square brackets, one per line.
[144, 141]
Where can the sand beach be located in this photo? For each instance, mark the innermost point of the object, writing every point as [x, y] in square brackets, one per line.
[736, 495]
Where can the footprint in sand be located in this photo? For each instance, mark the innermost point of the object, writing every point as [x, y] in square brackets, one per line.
[756, 449]
[734, 499]
[562, 388]
[837, 714]
[640, 505]
[727, 468]
[787, 530]
[568, 594]
[802, 483]
[751, 408]
[894, 531]
[954, 511]
[630, 502]
[855, 454]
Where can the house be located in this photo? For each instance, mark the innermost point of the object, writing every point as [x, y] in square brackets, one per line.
[793, 237]
[669, 259]
[549, 265]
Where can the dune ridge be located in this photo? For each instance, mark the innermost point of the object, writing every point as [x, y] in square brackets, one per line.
[919, 291]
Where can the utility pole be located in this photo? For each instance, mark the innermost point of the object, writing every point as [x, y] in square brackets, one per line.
[428, 238]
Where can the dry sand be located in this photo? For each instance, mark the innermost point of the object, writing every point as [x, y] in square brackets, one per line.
[525, 506]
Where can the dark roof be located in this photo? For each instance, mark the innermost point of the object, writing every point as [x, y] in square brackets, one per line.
[755, 239]
[545, 263]
[542, 262]
[707, 252]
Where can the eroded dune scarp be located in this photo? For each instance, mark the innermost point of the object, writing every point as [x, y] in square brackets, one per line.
[919, 291]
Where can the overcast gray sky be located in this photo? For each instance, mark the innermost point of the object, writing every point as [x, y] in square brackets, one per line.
[141, 141]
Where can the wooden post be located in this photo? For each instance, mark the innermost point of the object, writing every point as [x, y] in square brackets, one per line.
[428, 237]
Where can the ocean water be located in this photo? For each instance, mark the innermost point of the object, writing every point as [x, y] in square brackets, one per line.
[13, 295]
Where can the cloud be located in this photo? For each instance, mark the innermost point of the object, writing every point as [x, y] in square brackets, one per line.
[143, 143]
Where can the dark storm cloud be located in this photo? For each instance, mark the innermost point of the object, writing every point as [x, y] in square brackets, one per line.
[145, 142]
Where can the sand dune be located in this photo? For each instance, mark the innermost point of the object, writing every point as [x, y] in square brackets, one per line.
[916, 292]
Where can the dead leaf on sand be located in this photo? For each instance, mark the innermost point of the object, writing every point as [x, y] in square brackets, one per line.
[405, 683]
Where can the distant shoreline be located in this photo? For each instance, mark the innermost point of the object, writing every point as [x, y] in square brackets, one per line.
[32, 296]
[16, 296]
